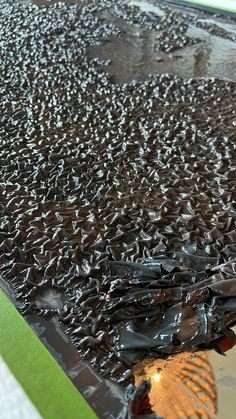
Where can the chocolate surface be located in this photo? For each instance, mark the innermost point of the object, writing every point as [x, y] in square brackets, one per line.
[117, 189]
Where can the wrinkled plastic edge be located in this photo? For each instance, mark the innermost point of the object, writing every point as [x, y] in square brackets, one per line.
[205, 6]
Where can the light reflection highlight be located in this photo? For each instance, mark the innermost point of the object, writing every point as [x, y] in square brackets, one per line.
[156, 377]
[182, 385]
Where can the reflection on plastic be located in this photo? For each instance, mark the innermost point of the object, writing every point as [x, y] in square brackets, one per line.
[156, 377]
[182, 386]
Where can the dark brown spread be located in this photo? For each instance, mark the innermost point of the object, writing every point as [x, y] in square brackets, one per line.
[118, 196]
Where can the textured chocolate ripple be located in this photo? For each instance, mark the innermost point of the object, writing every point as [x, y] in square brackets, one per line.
[119, 198]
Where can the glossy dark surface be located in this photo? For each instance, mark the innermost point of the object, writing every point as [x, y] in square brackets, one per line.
[95, 170]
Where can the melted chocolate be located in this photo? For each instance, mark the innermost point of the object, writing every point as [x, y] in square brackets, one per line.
[118, 200]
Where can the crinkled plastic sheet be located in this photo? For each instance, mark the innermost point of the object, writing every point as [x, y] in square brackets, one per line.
[167, 305]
